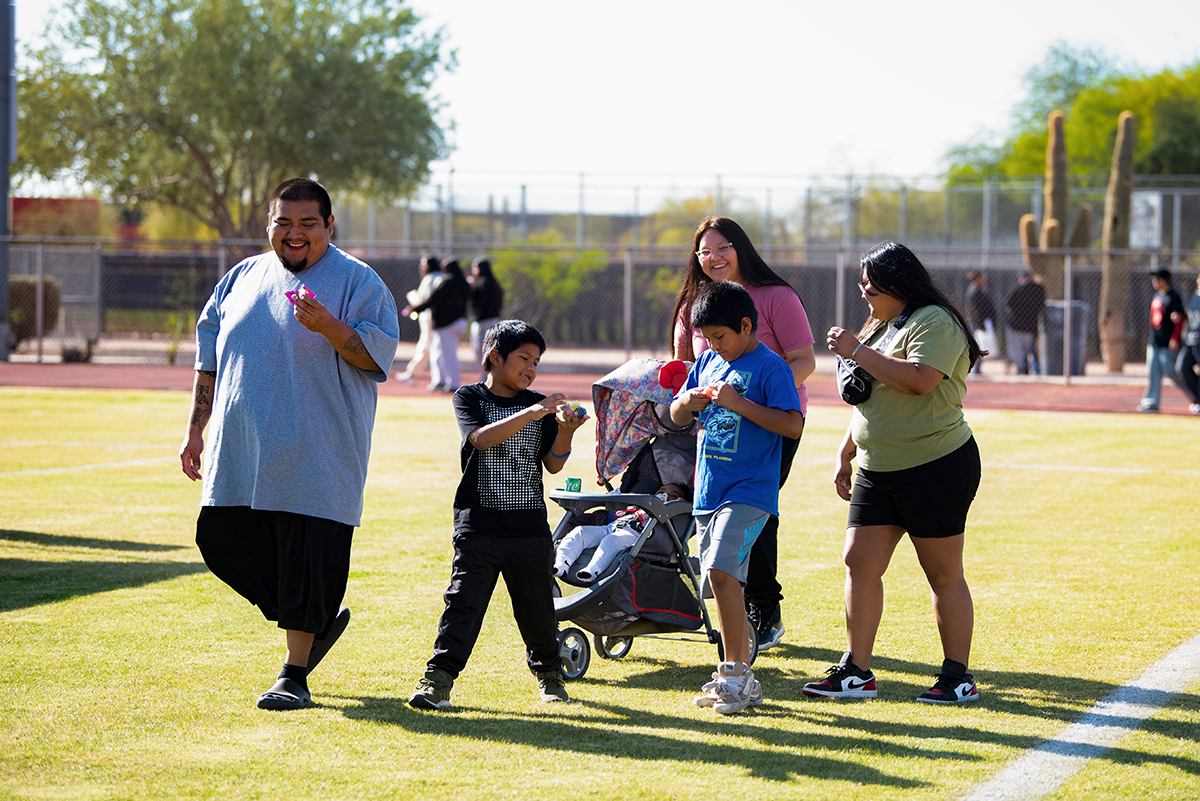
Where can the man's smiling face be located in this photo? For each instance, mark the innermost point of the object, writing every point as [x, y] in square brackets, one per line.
[298, 234]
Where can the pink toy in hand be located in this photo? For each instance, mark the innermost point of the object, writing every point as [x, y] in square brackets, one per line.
[303, 291]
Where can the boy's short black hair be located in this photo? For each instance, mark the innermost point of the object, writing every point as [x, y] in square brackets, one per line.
[724, 303]
[506, 336]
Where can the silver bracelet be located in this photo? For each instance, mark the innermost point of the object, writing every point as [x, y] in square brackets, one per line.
[855, 350]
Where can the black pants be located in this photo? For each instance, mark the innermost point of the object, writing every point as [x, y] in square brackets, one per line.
[1189, 356]
[527, 566]
[762, 588]
[293, 567]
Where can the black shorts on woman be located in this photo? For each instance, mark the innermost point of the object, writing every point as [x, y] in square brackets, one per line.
[930, 500]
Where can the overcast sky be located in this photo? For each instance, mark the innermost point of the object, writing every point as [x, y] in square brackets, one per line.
[661, 93]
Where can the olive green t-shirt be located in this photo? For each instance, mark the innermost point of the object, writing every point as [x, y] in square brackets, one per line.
[894, 431]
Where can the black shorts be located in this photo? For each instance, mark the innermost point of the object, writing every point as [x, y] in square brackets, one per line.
[929, 500]
[293, 567]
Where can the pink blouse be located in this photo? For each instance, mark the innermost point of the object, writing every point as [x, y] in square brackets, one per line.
[782, 326]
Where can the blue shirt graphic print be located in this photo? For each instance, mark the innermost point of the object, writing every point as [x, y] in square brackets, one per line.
[721, 426]
[738, 460]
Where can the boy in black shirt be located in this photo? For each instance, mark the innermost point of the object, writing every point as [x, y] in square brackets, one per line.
[500, 528]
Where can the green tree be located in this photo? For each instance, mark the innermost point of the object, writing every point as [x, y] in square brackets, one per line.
[1053, 83]
[543, 282]
[206, 105]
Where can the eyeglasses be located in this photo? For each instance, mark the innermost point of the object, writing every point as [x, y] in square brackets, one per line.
[722, 250]
[870, 293]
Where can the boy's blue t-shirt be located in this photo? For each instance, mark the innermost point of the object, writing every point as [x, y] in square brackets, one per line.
[737, 461]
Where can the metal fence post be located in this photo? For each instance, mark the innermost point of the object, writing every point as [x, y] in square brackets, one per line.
[39, 300]
[839, 292]
[1068, 327]
[522, 228]
[1176, 223]
[579, 217]
[627, 303]
[96, 292]
[986, 239]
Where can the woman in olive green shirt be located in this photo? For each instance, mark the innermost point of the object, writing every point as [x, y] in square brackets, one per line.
[918, 465]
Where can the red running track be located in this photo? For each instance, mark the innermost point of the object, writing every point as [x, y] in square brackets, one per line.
[1082, 396]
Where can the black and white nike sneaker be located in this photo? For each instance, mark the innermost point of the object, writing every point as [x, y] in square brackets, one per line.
[843, 680]
[954, 686]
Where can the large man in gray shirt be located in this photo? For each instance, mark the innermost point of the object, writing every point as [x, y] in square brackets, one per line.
[290, 349]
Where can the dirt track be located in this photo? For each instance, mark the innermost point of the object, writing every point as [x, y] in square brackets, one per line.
[986, 393]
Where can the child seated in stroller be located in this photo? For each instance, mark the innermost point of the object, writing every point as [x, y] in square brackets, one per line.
[608, 540]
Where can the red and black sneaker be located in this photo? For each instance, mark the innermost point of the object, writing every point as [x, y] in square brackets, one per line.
[843, 680]
[954, 686]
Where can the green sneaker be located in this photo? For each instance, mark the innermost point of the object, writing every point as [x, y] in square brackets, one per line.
[551, 687]
[433, 691]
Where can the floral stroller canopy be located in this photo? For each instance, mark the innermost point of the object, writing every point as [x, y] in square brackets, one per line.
[632, 407]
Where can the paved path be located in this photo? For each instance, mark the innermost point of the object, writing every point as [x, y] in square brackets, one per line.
[987, 392]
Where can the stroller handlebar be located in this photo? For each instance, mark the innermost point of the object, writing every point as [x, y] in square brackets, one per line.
[581, 502]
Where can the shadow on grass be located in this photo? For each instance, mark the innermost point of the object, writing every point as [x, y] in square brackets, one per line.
[25, 583]
[623, 735]
[60, 541]
[1038, 695]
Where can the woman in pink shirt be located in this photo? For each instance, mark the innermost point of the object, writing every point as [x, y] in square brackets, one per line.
[721, 251]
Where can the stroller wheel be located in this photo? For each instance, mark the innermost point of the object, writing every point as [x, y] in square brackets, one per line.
[576, 653]
[753, 644]
[612, 647]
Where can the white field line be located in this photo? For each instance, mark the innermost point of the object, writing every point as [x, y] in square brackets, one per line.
[1044, 769]
[1093, 469]
[1058, 468]
[52, 470]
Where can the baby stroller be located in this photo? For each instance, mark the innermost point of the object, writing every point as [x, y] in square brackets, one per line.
[652, 588]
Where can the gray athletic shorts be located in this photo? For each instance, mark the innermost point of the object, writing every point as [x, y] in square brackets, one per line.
[726, 537]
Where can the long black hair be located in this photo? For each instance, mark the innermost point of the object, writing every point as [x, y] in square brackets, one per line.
[895, 270]
[751, 265]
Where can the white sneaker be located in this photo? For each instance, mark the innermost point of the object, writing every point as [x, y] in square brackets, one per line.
[736, 688]
[708, 695]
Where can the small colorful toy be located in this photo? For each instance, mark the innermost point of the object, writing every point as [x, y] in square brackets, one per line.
[672, 375]
[303, 291]
[574, 411]
[710, 392]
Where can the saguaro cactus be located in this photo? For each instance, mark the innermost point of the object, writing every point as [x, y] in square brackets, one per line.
[1114, 268]
[1047, 267]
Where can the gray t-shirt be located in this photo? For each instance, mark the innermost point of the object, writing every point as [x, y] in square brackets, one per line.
[291, 423]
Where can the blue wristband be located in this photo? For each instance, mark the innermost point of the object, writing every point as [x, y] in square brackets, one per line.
[564, 456]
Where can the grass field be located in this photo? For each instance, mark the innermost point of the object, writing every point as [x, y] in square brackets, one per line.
[128, 671]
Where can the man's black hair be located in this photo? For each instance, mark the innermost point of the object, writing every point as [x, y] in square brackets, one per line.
[724, 303]
[506, 336]
[302, 189]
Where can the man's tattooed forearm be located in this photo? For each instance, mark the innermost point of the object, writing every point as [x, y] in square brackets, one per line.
[202, 400]
[355, 344]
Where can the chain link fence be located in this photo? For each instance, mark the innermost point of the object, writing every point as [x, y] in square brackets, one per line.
[142, 301]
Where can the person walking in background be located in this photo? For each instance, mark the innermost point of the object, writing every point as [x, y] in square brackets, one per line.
[1023, 310]
[431, 276]
[291, 393]
[982, 313]
[487, 301]
[1166, 330]
[721, 251]
[448, 303]
[918, 468]
[1189, 354]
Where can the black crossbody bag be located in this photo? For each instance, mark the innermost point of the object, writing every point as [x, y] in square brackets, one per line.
[854, 383]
